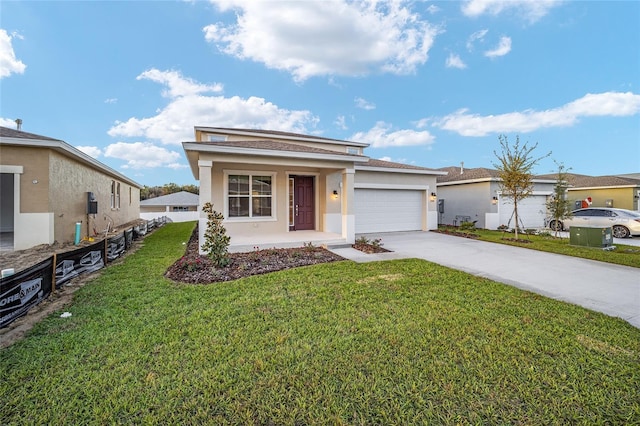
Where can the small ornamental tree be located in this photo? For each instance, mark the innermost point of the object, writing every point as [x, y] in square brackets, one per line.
[558, 205]
[216, 240]
[515, 165]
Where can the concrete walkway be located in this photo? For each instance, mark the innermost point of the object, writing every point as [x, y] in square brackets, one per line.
[611, 289]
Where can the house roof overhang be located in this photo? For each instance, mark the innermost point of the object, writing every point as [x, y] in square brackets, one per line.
[271, 152]
[277, 134]
[68, 151]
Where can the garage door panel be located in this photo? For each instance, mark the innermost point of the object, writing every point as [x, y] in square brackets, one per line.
[386, 210]
[531, 212]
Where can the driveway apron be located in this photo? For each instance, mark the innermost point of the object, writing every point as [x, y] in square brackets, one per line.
[611, 289]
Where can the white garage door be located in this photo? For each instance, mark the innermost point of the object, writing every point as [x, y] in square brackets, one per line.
[531, 212]
[388, 210]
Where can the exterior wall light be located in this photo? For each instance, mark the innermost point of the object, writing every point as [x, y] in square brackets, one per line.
[334, 194]
[494, 200]
[433, 196]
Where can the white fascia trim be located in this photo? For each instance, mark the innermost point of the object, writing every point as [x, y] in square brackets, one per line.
[591, 188]
[462, 182]
[396, 170]
[14, 170]
[196, 146]
[301, 138]
[73, 152]
[390, 186]
[534, 193]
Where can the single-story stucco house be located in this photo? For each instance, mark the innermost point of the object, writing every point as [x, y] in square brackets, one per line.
[178, 207]
[276, 186]
[474, 195]
[621, 192]
[47, 186]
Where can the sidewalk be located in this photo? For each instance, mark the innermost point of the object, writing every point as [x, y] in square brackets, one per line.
[611, 289]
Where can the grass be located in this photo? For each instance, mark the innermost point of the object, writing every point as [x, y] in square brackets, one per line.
[396, 342]
[623, 254]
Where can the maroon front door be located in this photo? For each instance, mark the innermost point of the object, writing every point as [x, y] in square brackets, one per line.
[304, 203]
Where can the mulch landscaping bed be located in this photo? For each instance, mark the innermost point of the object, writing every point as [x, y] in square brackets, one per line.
[194, 268]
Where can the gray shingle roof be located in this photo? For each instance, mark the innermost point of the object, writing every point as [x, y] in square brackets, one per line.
[584, 181]
[457, 174]
[391, 165]
[181, 198]
[7, 132]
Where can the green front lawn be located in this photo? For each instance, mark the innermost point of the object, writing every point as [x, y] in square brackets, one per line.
[622, 255]
[396, 342]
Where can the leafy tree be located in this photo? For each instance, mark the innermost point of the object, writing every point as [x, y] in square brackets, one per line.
[216, 243]
[558, 205]
[148, 192]
[515, 165]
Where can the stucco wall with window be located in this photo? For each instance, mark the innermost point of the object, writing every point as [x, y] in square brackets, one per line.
[34, 181]
[278, 220]
[70, 182]
[623, 198]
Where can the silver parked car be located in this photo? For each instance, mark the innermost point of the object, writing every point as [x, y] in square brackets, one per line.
[624, 222]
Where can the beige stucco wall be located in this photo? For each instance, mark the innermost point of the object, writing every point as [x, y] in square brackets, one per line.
[280, 206]
[34, 181]
[70, 182]
[623, 198]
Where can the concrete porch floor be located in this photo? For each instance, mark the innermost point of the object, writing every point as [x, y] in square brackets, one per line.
[246, 243]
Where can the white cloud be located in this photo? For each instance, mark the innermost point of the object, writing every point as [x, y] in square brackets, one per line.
[504, 47]
[325, 38]
[433, 9]
[177, 85]
[530, 10]
[9, 64]
[341, 122]
[364, 104]
[111, 101]
[91, 151]
[140, 155]
[454, 61]
[473, 38]
[611, 104]
[380, 136]
[188, 106]
[8, 122]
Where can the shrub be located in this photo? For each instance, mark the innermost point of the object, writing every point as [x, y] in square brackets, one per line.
[467, 226]
[216, 243]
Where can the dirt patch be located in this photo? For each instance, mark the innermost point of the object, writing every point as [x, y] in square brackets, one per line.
[457, 233]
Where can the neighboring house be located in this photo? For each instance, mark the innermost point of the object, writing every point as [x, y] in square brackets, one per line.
[622, 192]
[47, 186]
[473, 195]
[278, 183]
[179, 207]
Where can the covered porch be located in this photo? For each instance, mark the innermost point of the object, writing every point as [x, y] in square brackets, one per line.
[258, 241]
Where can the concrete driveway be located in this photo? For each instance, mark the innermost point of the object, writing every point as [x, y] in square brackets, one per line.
[611, 289]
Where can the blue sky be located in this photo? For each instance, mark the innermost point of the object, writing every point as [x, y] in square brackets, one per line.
[425, 83]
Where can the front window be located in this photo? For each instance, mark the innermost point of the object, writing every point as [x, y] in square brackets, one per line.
[250, 195]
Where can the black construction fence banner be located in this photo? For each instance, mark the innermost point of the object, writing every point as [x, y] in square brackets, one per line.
[80, 261]
[116, 245]
[22, 291]
[29, 287]
[128, 238]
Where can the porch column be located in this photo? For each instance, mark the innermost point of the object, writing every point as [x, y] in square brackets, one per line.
[348, 206]
[204, 197]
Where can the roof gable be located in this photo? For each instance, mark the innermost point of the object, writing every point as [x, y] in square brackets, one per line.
[182, 198]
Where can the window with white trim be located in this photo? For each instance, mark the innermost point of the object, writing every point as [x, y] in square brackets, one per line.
[117, 195]
[250, 195]
[113, 194]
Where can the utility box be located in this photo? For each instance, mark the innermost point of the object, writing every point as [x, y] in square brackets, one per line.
[92, 204]
[591, 237]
